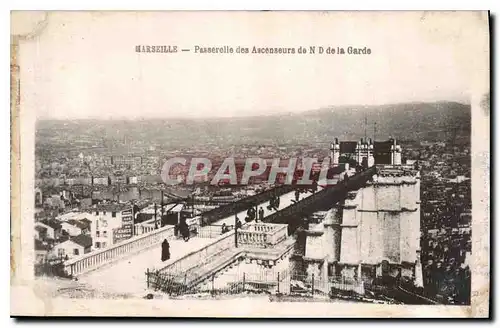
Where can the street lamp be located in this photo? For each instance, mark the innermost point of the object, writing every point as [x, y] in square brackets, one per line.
[156, 221]
[236, 230]
[161, 216]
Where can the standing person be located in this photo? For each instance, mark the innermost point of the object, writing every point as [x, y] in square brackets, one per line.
[165, 251]
[184, 230]
[261, 214]
[275, 203]
[238, 223]
[252, 213]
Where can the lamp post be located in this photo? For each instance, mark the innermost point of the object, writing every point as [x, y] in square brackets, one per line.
[236, 230]
[133, 220]
[161, 217]
[156, 221]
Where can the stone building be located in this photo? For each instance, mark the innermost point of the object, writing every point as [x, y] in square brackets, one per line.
[375, 231]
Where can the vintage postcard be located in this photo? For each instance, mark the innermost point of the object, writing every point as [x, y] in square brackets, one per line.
[250, 164]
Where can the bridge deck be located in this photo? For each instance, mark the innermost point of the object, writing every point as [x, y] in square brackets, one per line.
[285, 201]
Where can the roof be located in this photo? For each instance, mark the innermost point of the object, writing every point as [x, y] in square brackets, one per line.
[82, 240]
[54, 224]
[141, 217]
[86, 221]
[66, 216]
[142, 204]
[80, 224]
[40, 228]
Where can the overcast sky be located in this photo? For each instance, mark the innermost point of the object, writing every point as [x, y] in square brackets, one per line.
[83, 65]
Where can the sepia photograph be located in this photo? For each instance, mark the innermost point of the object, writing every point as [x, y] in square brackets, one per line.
[250, 164]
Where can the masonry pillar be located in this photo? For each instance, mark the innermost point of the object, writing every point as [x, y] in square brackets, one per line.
[335, 152]
[324, 271]
[397, 155]
[419, 279]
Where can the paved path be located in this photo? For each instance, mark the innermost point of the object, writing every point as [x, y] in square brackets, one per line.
[128, 275]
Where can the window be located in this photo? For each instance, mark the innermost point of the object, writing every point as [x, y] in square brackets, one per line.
[60, 252]
[97, 234]
[105, 234]
[76, 252]
[97, 245]
[103, 245]
[104, 213]
[96, 212]
[113, 214]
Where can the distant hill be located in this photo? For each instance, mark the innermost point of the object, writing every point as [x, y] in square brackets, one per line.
[411, 121]
[403, 121]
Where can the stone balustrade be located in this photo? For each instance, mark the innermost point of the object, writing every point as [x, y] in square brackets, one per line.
[211, 231]
[96, 259]
[142, 228]
[199, 256]
[252, 237]
[262, 234]
[260, 227]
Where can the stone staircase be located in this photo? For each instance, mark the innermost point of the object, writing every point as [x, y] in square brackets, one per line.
[211, 267]
[218, 263]
[180, 283]
[262, 244]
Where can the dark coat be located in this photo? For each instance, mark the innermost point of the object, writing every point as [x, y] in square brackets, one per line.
[184, 229]
[165, 251]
